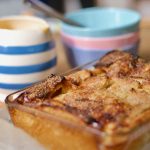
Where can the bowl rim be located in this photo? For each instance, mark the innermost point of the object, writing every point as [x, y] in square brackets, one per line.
[97, 39]
[101, 44]
[130, 27]
[31, 19]
[102, 49]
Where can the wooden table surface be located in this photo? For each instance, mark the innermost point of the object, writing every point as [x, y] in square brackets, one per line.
[63, 64]
[1, 104]
[144, 49]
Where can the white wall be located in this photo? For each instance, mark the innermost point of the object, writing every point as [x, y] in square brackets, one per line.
[11, 7]
[116, 3]
[72, 5]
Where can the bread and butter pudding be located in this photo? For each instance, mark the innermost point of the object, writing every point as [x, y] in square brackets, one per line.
[100, 108]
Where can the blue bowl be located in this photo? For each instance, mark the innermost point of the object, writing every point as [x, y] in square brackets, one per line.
[77, 56]
[102, 22]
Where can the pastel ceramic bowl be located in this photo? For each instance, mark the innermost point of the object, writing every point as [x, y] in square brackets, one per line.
[105, 29]
[88, 43]
[102, 22]
[79, 56]
[27, 52]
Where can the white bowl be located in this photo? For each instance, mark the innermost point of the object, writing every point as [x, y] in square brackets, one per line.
[27, 52]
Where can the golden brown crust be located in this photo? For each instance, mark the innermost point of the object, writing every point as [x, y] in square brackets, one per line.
[114, 97]
[113, 56]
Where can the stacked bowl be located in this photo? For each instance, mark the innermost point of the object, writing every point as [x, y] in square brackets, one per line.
[105, 29]
[27, 53]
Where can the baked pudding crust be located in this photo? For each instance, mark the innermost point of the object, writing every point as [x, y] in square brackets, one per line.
[112, 98]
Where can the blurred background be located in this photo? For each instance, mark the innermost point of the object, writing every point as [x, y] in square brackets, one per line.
[15, 7]
[9, 7]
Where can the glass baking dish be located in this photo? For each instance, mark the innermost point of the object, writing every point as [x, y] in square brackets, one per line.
[56, 133]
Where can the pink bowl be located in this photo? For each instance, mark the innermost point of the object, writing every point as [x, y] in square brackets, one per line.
[101, 43]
